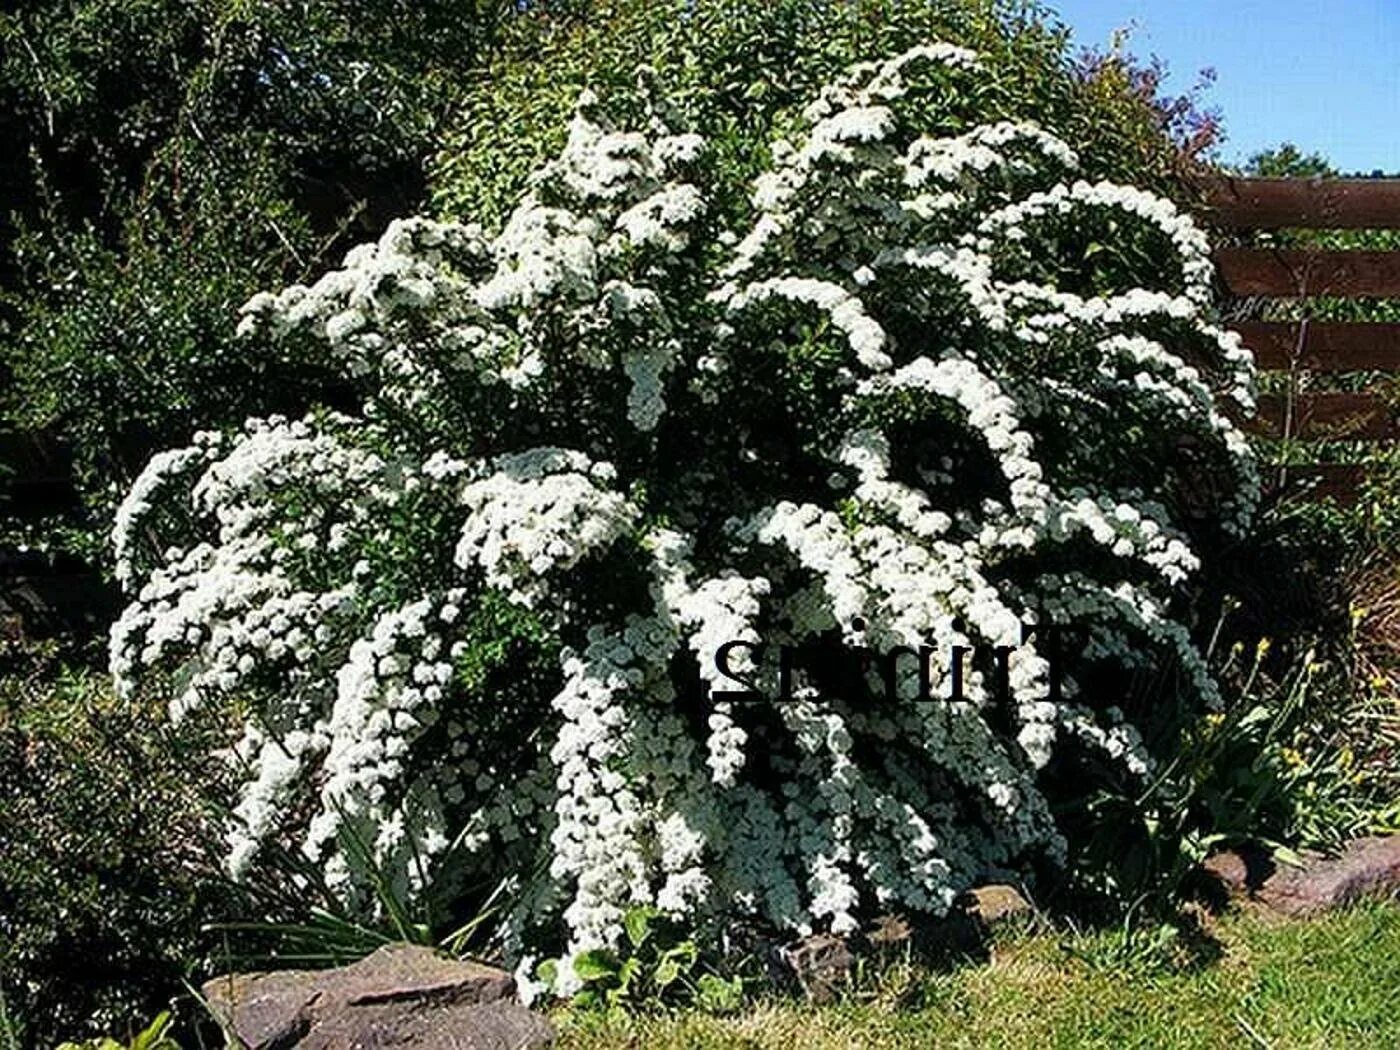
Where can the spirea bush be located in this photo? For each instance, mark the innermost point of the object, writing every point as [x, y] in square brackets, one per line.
[930, 387]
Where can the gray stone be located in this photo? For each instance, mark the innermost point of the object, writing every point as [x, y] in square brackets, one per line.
[823, 965]
[890, 932]
[400, 996]
[1238, 871]
[997, 904]
[453, 1026]
[1368, 867]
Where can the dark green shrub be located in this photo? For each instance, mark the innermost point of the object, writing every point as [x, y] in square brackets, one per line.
[166, 159]
[735, 72]
[103, 880]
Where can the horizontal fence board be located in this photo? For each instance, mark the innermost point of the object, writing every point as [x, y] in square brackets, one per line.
[1296, 273]
[1320, 204]
[1314, 346]
[1322, 346]
[1349, 416]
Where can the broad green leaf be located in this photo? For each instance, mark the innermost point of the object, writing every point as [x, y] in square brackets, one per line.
[595, 965]
[667, 971]
[637, 923]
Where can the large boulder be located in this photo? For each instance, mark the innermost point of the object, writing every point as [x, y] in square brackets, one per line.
[1365, 868]
[400, 996]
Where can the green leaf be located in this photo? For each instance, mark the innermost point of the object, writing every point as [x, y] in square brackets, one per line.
[674, 962]
[1288, 856]
[637, 923]
[627, 974]
[548, 972]
[717, 995]
[588, 999]
[597, 964]
[154, 1035]
[667, 970]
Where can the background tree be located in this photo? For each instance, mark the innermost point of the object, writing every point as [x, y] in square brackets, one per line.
[165, 160]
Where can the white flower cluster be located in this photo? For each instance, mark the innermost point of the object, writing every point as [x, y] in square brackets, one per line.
[537, 511]
[472, 629]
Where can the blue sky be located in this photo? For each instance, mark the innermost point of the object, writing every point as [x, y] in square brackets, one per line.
[1325, 76]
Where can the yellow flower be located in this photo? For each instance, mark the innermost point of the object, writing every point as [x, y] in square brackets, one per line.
[1262, 649]
[1291, 756]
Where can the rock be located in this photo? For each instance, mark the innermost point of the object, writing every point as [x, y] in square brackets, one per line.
[890, 931]
[264, 1011]
[963, 933]
[1368, 867]
[400, 996]
[1232, 869]
[822, 963]
[998, 903]
[457, 1026]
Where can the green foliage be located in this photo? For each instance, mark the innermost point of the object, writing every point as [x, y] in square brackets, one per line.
[1278, 767]
[102, 883]
[156, 1036]
[1288, 161]
[737, 72]
[166, 159]
[125, 347]
[1326, 982]
[113, 100]
[660, 967]
[11, 1027]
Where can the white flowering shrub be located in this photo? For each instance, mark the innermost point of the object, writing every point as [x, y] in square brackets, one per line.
[926, 388]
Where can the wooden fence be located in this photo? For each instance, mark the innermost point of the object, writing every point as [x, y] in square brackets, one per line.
[1306, 350]
[1316, 353]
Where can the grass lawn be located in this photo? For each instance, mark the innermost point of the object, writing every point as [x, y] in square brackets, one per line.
[1331, 982]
